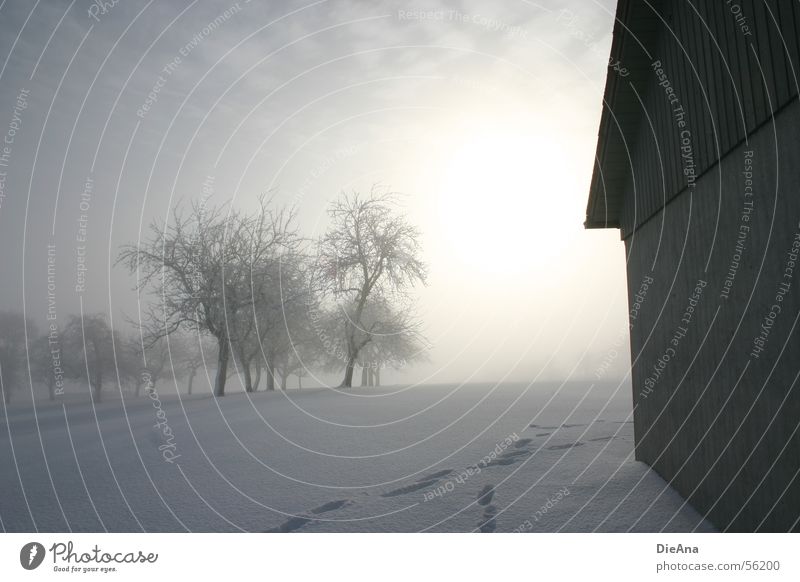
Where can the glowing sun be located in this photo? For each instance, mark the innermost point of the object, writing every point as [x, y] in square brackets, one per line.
[504, 205]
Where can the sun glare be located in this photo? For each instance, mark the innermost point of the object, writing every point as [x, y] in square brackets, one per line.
[504, 204]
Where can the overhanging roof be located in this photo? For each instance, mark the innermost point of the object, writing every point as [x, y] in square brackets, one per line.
[636, 31]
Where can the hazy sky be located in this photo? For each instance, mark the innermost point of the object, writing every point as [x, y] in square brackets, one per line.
[484, 114]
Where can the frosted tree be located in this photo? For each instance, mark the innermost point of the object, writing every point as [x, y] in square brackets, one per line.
[191, 352]
[89, 347]
[200, 267]
[272, 328]
[370, 250]
[155, 359]
[45, 363]
[12, 350]
[397, 342]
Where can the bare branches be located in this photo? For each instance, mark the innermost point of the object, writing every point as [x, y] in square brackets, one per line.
[207, 269]
[370, 246]
[245, 279]
[370, 251]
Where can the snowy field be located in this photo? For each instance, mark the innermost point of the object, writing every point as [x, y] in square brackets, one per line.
[450, 458]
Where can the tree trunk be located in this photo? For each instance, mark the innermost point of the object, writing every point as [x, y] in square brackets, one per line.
[98, 372]
[371, 376]
[98, 386]
[248, 378]
[257, 381]
[348, 373]
[270, 375]
[222, 367]
[378, 376]
[299, 382]
[192, 372]
[284, 377]
[363, 375]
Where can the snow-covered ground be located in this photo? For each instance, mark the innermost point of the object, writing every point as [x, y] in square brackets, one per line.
[544, 457]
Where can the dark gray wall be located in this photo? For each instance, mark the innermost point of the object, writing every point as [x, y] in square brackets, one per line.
[729, 74]
[720, 424]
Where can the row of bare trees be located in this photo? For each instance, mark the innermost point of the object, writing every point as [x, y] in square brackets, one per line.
[277, 303]
[88, 349]
[245, 293]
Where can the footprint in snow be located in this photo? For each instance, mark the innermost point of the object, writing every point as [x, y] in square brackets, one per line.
[562, 447]
[331, 506]
[436, 475]
[508, 458]
[410, 488]
[485, 495]
[501, 461]
[488, 523]
[296, 522]
[290, 525]
[521, 443]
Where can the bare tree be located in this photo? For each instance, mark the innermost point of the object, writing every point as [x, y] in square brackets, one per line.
[200, 267]
[370, 250]
[91, 344]
[294, 361]
[301, 373]
[12, 350]
[190, 353]
[46, 362]
[271, 333]
[295, 340]
[150, 360]
[399, 343]
[260, 334]
[252, 326]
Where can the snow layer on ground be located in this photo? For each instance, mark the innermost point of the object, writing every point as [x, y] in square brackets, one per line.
[491, 458]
